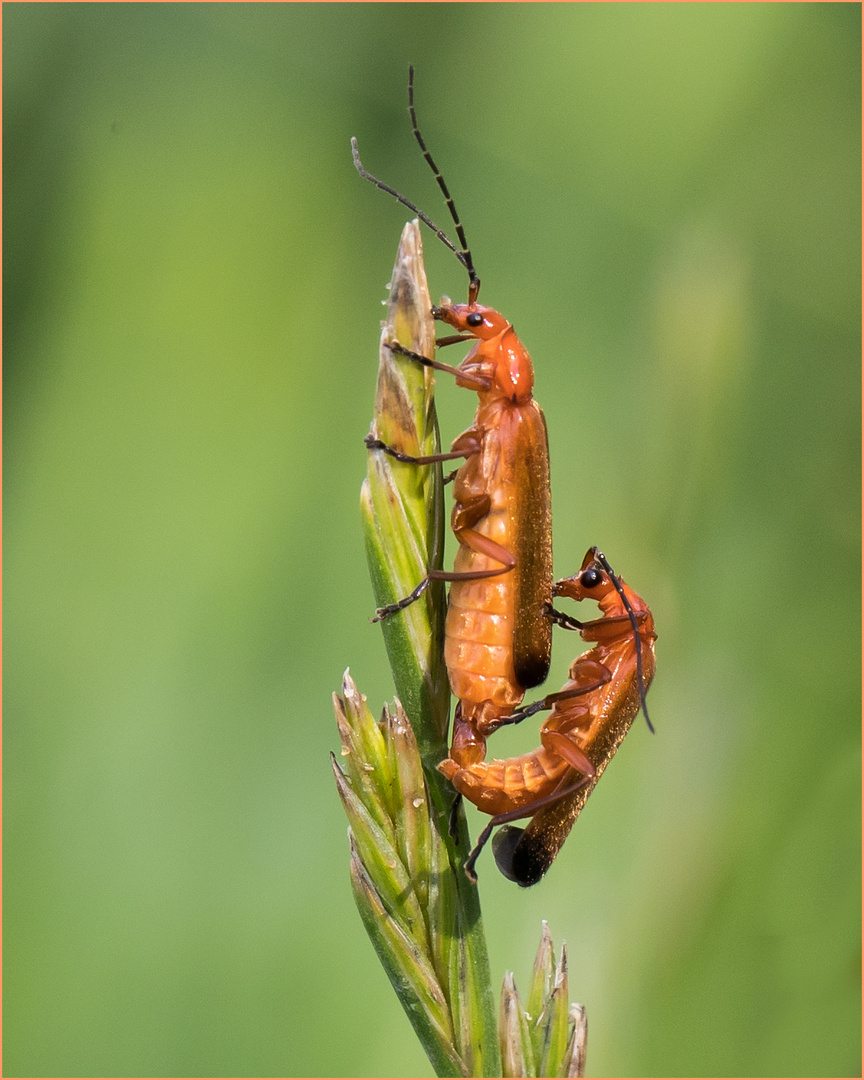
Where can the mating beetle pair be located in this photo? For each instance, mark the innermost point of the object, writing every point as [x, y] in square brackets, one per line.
[500, 615]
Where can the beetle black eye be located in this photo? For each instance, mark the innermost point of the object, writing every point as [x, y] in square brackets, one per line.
[590, 579]
[475, 319]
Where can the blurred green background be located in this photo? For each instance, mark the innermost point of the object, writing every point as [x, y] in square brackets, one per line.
[665, 201]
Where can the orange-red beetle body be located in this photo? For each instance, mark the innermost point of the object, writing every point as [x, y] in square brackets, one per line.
[498, 632]
[590, 717]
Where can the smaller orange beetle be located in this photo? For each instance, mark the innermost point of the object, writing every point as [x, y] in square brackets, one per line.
[590, 716]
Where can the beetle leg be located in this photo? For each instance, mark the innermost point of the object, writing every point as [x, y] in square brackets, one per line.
[523, 714]
[565, 621]
[429, 459]
[601, 673]
[484, 546]
[453, 339]
[566, 748]
[464, 446]
[400, 605]
[472, 380]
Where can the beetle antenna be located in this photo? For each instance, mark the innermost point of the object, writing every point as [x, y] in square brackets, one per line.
[613, 577]
[405, 202]
[465, 254]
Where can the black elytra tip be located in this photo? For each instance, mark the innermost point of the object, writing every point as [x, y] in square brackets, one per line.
[523, 863]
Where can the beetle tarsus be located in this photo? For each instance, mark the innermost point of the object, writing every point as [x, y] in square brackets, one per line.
[376, 444]
[400, 605]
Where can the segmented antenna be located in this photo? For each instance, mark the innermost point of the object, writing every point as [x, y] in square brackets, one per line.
[601, 558]
[467, 261]
[463, 255]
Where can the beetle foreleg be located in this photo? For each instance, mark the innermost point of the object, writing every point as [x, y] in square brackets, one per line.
[567, 622]
[471, 381]
[601, 673]
[452, 339]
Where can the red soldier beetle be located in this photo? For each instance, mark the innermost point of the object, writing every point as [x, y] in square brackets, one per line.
[590, 716]
[498, 630]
